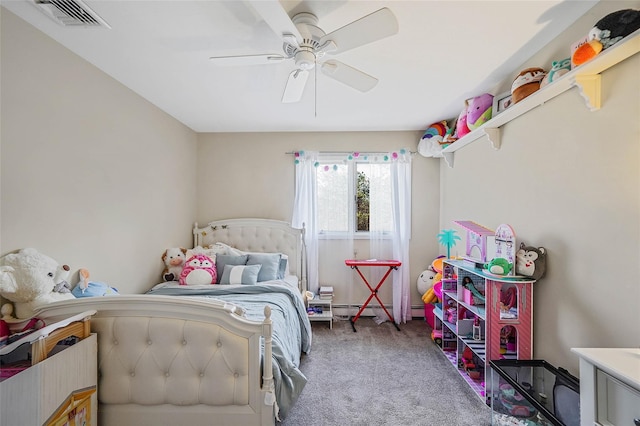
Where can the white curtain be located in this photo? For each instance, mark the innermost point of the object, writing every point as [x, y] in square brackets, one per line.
[390, 203]
[401, 234]
[305, 212]
[393, 200]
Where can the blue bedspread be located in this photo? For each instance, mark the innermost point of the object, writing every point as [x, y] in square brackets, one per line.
[291, 327]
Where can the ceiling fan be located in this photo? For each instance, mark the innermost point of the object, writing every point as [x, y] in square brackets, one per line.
[305, 43]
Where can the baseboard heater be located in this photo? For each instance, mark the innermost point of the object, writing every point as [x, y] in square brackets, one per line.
[372, 310]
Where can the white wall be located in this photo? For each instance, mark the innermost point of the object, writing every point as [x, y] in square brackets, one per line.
[91, 174]
[567, 179]
[250, 174]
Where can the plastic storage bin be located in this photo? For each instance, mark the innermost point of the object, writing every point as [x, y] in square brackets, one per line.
[532, 393]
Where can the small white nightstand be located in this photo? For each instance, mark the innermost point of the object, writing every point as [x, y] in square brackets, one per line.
[327, 311]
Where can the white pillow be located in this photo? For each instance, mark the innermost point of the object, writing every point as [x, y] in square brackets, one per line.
[211, 253]
[222, 248]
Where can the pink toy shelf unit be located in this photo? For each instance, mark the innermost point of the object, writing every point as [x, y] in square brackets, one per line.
[477, 240]
[484, 316]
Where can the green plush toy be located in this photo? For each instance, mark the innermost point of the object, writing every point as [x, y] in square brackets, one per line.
[499, 266]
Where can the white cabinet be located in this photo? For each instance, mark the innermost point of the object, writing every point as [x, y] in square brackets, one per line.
[609, 386]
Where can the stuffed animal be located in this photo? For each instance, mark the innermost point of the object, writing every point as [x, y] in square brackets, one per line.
[479, 110]
[431, 142]
[429, 280]
[425, 281]
[558, 69]
[531, 261]
[461, 125]
[607, 32]
[199, 270]
[450, 137]
[499, 266]
[174, 259]
[86, 288]
[29, 278]
[526, 83]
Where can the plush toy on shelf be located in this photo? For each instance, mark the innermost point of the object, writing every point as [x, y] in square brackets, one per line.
[526, 83]
[499, 266]
[558, 69]
[29, 278]
[479, 110]
[431, 142]
[606, 32]
[462, 128]
[174, 259]
[531, 261]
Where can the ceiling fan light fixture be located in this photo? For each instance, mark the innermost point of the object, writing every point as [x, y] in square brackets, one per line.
[307, 44]
[305, 59]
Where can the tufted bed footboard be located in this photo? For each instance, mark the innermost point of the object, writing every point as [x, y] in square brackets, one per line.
[172, 361]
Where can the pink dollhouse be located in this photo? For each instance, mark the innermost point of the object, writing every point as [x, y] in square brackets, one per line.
[477, 244]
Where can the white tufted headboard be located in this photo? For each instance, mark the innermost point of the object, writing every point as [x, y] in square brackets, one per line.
[258, 235]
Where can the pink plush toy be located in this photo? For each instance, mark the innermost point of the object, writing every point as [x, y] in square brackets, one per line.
[199, 270]
[461, 126]
[479, 110]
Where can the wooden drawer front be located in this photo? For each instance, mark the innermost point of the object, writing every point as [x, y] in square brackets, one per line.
[618, 403]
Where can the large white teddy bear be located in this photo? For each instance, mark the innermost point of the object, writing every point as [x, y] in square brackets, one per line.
[30, 279]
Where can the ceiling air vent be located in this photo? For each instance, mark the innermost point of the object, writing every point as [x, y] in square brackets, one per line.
[71, 13]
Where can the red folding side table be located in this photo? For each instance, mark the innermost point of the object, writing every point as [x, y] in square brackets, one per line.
[355, 264]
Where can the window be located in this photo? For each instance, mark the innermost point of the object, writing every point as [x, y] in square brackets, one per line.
[353, 196]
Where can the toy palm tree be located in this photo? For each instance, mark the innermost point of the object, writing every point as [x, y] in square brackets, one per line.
[448, 237]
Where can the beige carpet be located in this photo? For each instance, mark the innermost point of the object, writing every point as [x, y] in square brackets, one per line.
[381, 376]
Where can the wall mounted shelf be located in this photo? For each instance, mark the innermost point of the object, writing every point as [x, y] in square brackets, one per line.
[586, 78]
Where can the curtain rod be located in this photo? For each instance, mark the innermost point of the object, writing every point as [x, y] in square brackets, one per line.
[349, 152]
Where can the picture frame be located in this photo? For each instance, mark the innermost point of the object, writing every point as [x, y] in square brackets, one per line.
[500, 103]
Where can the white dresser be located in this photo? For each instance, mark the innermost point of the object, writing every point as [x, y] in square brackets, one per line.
[609, 386]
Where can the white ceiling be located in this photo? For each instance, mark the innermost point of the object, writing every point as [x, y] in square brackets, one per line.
[444, 52]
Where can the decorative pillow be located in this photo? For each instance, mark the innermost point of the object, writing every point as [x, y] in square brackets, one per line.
[240, 274]
[270, 265]
[211, 253]
[283, 269]
[222, 248]
[225, 259]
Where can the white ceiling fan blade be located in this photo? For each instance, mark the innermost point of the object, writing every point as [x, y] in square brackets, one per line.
[348, 75]
[276, 17]
[295, 86]
[229, 61]
[375, 26]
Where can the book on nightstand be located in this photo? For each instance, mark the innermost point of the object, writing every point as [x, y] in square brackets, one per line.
[326, 292]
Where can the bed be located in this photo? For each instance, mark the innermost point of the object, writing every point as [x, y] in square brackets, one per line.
[195, 354]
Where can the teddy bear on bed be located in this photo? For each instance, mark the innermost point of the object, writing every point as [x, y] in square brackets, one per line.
[174, 259]
[31, 279]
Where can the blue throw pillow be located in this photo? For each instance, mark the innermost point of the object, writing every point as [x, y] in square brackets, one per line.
[227, 259]
[270, 265]
[282, 269]
[240, 274]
